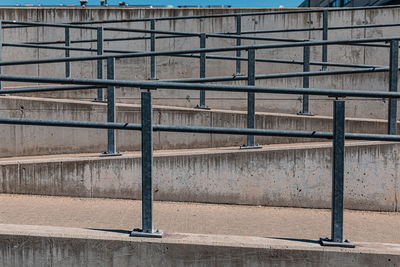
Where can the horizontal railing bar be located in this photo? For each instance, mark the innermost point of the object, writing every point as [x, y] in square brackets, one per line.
[152, 85]
[278, 31]
[236, 36]
[68, 123]
[278, 75]
[268, 132]
[48, 89]
[109, 39]
[91, 40]
[60, 25]
[196, 129]
[199, 50]
[53, 47]
[52, 88]
[283, 61]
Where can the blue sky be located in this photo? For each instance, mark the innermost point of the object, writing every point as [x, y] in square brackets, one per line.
[233, 3]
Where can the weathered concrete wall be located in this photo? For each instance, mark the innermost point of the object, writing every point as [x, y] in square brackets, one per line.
[18, 140]
[278, 175]
[290, 104]
[22, 245]
[168, 67]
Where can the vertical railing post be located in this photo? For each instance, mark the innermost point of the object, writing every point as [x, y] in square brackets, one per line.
[325, 16]
[67, 52]
[202, 104]
[147, 171]
[393, 80]
[1, 50]
[238, 43]
[338, 178]
[152, 49]
[251, 73]
[100, 51]
[306, 81]
[111, 110]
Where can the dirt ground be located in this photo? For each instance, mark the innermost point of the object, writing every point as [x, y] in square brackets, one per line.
[174, 217]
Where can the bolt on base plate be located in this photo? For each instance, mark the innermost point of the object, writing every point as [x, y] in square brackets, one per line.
[99, 101]
[326, 242]
[139, 233]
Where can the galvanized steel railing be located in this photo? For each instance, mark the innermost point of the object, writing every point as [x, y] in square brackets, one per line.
[147, 127]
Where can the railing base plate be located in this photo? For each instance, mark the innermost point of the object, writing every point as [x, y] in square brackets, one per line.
[326, 242]
[251, 147]
[139, 233]
[202, 107]
[305, 114]
[99, 101]
[105, 154]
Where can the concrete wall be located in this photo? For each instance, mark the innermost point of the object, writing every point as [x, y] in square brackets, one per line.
[18, 140]
[280, 175]
[168, 67]
[290, 104]
[22, 245]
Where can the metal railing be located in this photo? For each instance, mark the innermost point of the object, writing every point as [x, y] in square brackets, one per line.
[199, 84]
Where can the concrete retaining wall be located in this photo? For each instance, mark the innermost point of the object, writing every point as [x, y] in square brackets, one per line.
[168, 68]
[290, 104]
[277, 175]
[18, 140]
[22, 245]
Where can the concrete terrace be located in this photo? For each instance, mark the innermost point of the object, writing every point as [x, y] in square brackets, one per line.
[63, 203]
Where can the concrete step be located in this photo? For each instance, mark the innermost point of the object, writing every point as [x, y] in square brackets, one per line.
[293, 175]
[109, 247]
[18, 140]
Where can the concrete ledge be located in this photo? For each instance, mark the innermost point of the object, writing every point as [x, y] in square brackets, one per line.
[22, 245]
[18, 140]
[297, 175]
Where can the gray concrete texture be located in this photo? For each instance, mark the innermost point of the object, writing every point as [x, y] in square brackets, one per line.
[18, 140]
[290, 104]
[197, 218]
[168, 67]
[46, 246]
[278, 175]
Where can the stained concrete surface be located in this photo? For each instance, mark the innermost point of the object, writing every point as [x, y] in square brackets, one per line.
[24, 245]
[176, 217]
[23, 140]
[289, 175]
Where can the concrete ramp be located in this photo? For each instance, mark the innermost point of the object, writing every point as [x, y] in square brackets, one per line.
[21, 140]
[294, 175]
[22, 245]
